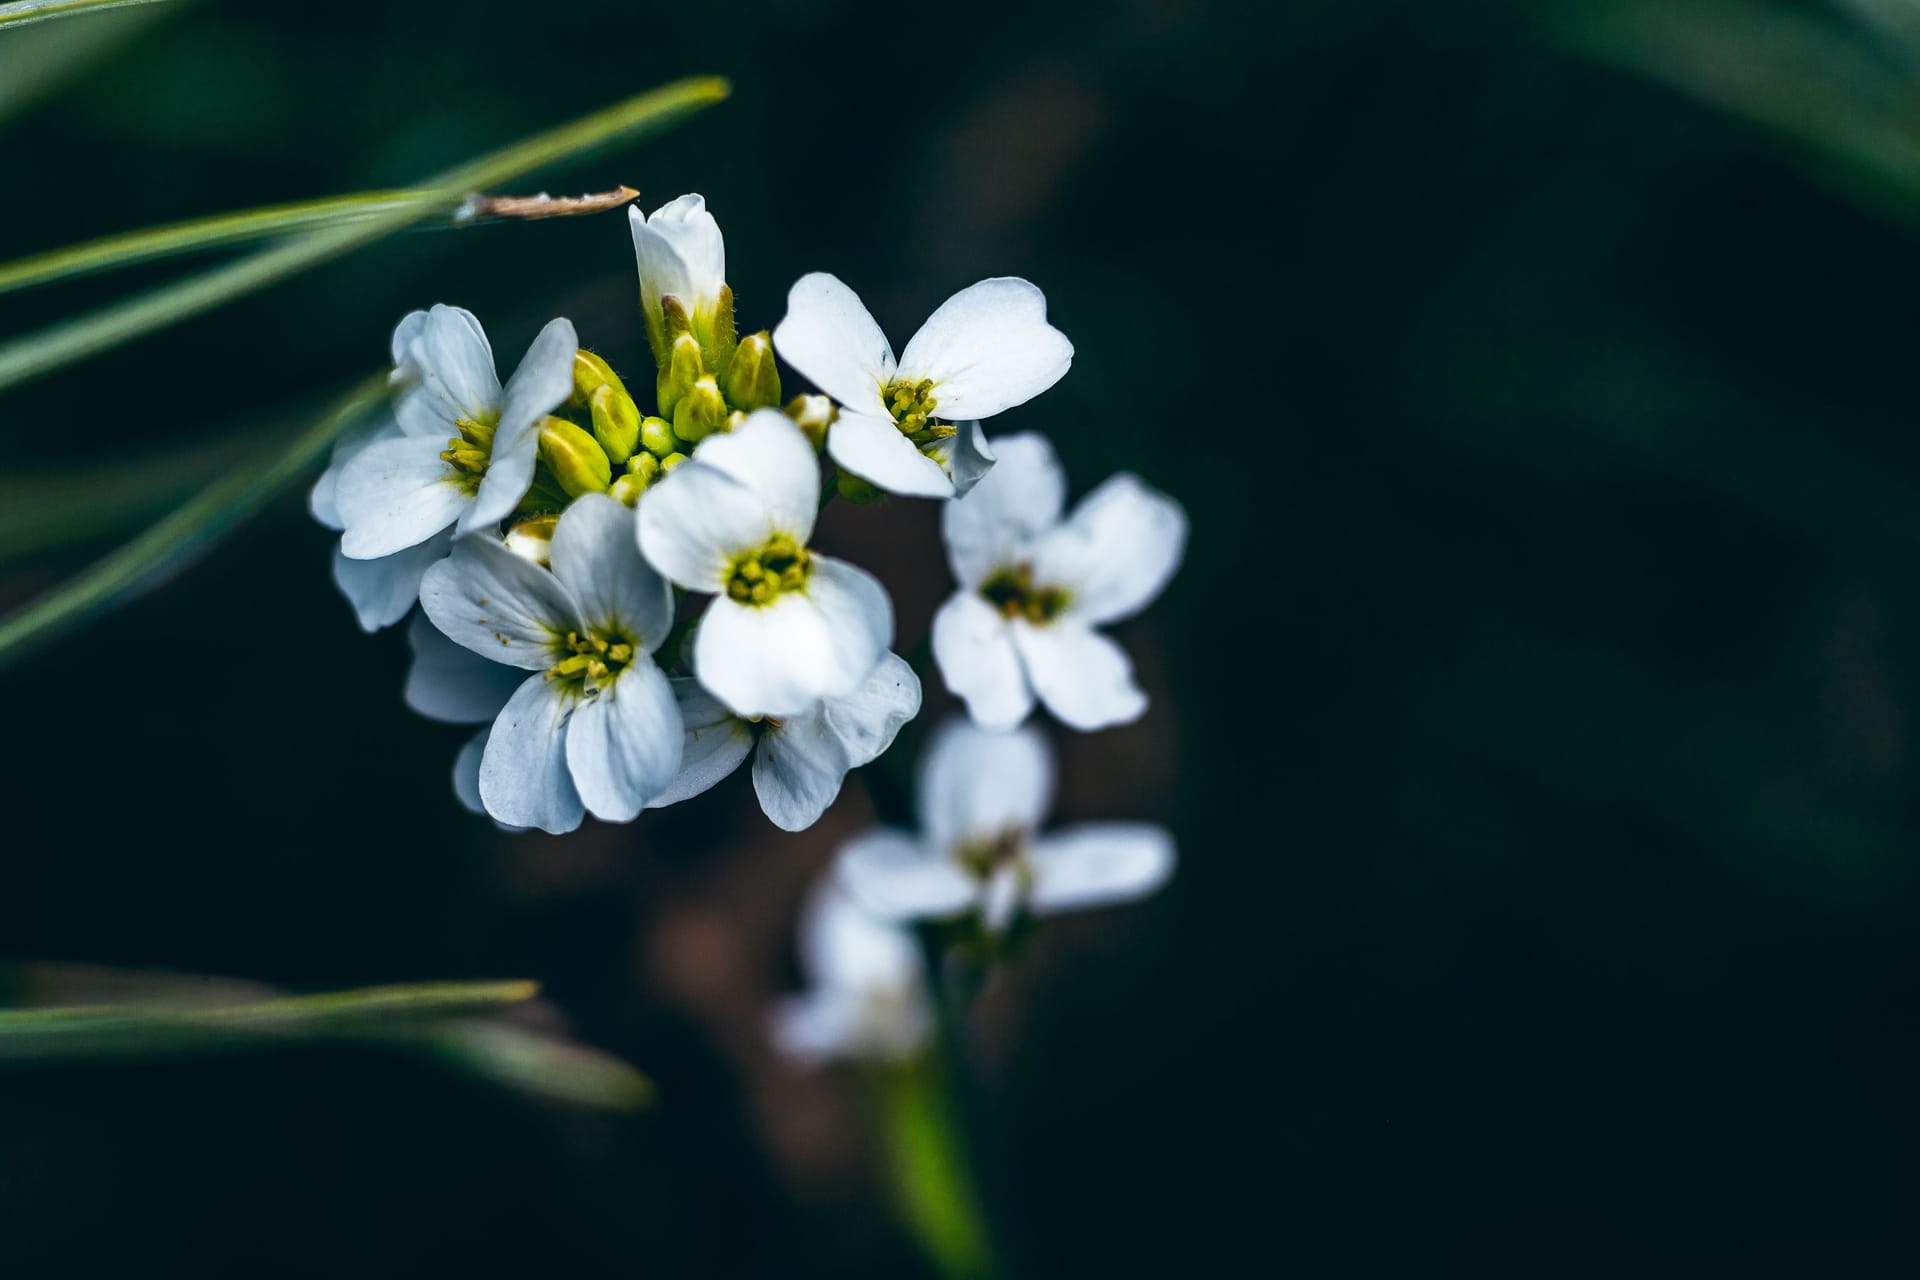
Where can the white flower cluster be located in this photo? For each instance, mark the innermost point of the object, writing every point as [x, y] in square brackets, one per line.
[631, 603]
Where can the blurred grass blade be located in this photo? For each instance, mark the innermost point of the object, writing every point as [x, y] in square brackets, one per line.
[75, 1032]
[166, 546]
[62, 344]
[198, 235]
[531, 1062]
[47, 508]
[22, 12]
[36, 64]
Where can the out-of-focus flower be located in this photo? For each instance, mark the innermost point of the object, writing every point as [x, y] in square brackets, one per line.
[596, 728]
[911, 426]
[787, 627]
[799, 761]
[464, 452]
[866, 999]
[1033, 587]
[981, 796]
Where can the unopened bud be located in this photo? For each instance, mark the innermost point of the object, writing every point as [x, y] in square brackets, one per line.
[616, 422]
[813, 415]
[753, 380]
[671, 461]
[854, 489]
[682, 371]
[640, 473]
[590, 373]
[574, 457]
[533, 539]
[657, 438]
[701, 411]
[719, 344]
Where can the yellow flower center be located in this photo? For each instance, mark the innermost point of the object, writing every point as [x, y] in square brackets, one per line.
[983, 858]
[592, 662]
[912, 405]
[468, 453]
[1013, 593]
[760, 576]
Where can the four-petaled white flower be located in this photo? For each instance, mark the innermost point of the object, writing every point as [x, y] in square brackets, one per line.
[681, 255]
[799, 761]
[463, 452]
[1033, 588]
[595, 728]
[787, 627]
[867, 998]
[981, 795]
[912, 426]
[380, 591]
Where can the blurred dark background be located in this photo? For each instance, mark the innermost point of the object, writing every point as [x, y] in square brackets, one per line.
[1536, 709]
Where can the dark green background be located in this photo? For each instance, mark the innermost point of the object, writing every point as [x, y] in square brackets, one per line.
[1536, 709]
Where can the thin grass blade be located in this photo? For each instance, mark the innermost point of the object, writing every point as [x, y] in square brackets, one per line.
[22, 12]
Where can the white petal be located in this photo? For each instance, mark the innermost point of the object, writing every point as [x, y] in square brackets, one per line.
[976, 785]
[770, 456]
[466, 773]
[449, 683]
[973, 643]
[896, 877]
[1084, 678]
[779, 659]
[866, 721]
[502, 607]
[540, 385]
[988, 348]
[715, 743]
[450, 363]
[991, 527]
[1098, 865]
[843, 946]
[696, 522]
[873, 449]
[394, 494]
[623, 745]
[381, 591]
[798, 767]
[411, 326]
[680, 252]
[597, 559]
[1116, 552]
[832, 339]
[323, 499]
[968, 457]
[524, 780]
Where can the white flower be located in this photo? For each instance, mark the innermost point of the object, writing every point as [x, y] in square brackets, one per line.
[981, 794]
[464, 451]
[681, 255]
[988, 348]
[457, 686]
[867, 998]
[1033, 588]
[788, 627]
[380, 591]
[800, 761]
[595, 729]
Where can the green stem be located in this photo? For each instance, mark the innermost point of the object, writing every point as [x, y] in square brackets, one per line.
[21, 12]
[930, 1169]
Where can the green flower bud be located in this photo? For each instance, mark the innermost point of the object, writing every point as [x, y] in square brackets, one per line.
[719, 344]
[753, 381]
[671, 461]
[701, 411]
[813, 414]
[616, 422]
[590, 373]
[657, 438]
[682, 371]
[574, 458]
[639, 476]
[854, 489]
[532, 539]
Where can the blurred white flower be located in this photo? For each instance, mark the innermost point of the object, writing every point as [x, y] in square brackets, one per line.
[681, 255]
[911, 426]
[866, 999]
[595, 729]
[1033, 587]
[799, 761]
[787, 627]
[463, 451]
[981, 794]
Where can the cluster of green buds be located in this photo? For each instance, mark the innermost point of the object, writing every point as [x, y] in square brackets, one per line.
[709, 381]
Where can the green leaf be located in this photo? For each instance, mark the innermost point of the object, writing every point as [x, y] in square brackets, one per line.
[62, 344]
[33, 65]
[22, 12]
[198, 235]
[191, 528]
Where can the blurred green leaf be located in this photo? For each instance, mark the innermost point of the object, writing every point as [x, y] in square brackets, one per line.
[193, 527]
[530, 1062]
[31, 65]
[22, 12]
[47, 508]
[62, 344]
[198, 235]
